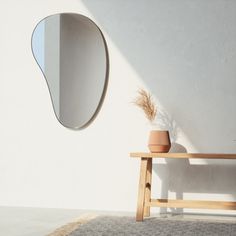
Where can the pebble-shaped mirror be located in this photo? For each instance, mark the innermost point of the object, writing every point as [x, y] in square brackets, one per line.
[72, 53]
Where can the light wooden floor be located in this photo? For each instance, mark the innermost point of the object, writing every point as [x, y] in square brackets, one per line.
[25, 221]
[22, 221]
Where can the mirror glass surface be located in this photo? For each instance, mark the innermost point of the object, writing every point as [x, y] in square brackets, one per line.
[71, 51]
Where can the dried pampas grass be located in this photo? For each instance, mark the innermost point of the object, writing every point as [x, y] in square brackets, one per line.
[145, 102]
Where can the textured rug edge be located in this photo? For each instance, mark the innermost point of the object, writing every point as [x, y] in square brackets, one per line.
[70, 227]
[67, 229]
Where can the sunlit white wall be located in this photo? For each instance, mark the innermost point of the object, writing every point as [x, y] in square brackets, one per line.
[43, 164]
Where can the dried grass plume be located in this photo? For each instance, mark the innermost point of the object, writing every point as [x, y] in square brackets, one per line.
[145, 102]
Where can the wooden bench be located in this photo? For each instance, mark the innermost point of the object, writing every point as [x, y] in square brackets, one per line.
[145, 184]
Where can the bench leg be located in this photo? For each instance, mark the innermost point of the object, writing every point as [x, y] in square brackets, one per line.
[148, 187]
[142, 188]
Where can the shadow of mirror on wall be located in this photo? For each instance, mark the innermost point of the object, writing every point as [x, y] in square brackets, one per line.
[180, 61]
[72, 53]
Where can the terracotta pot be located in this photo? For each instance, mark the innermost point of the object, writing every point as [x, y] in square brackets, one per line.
[159, 141]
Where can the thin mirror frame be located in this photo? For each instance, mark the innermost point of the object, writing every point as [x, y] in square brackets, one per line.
[106, 79]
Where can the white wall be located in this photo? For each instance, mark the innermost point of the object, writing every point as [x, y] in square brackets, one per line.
[183, 52]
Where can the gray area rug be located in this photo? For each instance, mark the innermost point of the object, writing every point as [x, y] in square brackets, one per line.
[127, 226]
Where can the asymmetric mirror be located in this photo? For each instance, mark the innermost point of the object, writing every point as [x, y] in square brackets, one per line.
[72, 54]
